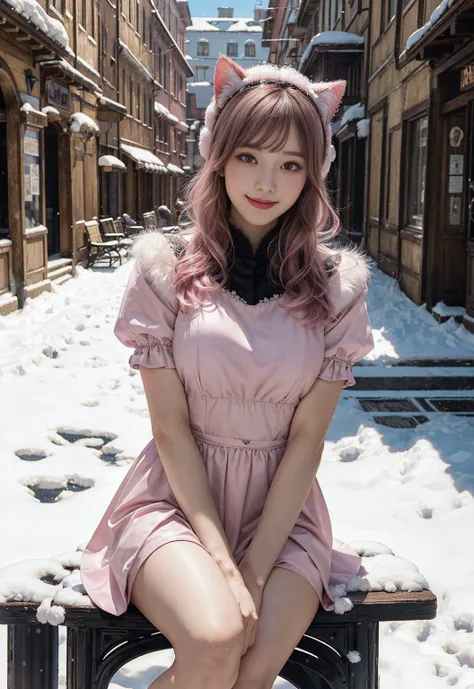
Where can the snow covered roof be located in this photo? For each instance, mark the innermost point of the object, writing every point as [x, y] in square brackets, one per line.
[203, 90]
[80, 123]
[34, 13]
[244, 25]
[113, 104]
[64, 67]
[237, 24]
[162, 111]
[143, 156]
[175, 169]
[333, 38]
[111, 161]
[435, 15]
[133, 60]
[201, 24]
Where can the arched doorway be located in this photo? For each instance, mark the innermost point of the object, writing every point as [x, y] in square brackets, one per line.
[12, 222]
[4, 222]
[51, 162]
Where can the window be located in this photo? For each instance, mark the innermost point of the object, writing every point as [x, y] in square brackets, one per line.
[389, 8]
[84, 14]
[92, 32]
[200, 73]
[139, 102]
[203, 47]
[166, 72]
[417, 134]
[250, 49]
[144, 31]
[137, 17]
[132, 111]
[232, 49]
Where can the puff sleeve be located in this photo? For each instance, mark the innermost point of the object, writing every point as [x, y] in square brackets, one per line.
[347, 339]
[146, 322]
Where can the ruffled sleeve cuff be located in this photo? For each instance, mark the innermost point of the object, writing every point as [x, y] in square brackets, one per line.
[337, 369]
[153, 354]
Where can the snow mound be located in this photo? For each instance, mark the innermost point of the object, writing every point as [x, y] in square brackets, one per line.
[52, 583]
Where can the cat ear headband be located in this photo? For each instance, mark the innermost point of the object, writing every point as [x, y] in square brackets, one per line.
[230, 79]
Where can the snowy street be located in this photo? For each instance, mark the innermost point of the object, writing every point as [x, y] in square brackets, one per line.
[63, 372]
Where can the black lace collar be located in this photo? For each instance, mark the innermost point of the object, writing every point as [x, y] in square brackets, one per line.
[247, 271]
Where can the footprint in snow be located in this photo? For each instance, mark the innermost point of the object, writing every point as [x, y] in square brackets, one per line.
[31, 454]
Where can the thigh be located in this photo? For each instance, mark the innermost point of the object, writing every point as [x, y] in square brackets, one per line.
[184, 594]
[289, 604]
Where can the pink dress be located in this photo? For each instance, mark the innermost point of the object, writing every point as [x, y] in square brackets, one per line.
[244, 369]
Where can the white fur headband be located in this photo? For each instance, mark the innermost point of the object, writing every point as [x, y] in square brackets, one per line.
[230, 78]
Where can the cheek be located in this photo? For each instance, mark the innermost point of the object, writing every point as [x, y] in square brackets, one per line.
[295, 186]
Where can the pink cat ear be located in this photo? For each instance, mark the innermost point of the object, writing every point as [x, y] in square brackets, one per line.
[226, 71]
[330, 94]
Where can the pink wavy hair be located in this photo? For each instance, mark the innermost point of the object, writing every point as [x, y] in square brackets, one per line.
[262, 117]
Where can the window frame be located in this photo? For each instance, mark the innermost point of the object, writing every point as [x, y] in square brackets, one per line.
[232, 43]
[202, 43]
[410, 162]
[250, 44]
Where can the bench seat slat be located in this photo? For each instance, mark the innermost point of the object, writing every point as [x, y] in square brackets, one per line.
[372, 606]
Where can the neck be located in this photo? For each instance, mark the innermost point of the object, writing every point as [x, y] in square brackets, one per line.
[254, 233]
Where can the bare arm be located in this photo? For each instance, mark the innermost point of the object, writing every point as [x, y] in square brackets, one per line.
[183, 463]
[292, 481]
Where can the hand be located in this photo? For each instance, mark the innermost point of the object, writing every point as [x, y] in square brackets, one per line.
[255, 586]
[248, 610]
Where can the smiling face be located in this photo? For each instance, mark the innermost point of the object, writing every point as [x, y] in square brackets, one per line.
[262, 184]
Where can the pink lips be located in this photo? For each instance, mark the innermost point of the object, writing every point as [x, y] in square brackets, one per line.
[260, 203]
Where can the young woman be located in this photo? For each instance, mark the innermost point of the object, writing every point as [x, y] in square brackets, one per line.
[245, 330]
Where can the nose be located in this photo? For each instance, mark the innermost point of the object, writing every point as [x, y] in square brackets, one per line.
[266, 180]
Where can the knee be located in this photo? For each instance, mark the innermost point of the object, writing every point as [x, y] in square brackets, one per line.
[215, 653]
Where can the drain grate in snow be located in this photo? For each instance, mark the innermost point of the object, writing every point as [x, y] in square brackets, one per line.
[401, 421]
[453, 405]
[383, 405]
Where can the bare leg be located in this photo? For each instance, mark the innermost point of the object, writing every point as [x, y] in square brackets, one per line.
[289, 604]
[184, 594]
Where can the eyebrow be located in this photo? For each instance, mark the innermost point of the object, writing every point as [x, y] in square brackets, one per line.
[288, 153]
[293, 153]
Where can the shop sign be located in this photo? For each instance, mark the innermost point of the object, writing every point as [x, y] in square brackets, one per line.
[467, 77]
[58, 95]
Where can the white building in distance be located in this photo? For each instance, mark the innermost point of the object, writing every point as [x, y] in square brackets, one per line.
[240, 38]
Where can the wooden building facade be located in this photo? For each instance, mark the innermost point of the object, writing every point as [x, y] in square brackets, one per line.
[446, 49]
[79, 128]
[403, 179]
[333, 47]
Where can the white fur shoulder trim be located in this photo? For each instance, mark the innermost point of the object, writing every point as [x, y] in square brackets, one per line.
[156, 258]
[349, 279]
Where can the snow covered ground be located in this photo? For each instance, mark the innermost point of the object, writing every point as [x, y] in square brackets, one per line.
[410, 489]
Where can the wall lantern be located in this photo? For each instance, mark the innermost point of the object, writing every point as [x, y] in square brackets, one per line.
[30, 80]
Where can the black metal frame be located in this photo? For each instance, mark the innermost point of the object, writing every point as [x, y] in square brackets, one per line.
[99, 644]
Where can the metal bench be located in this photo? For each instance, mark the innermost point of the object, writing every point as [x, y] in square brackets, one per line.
[99, 644]
[97, 248]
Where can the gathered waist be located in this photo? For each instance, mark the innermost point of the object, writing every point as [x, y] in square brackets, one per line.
[238, 442]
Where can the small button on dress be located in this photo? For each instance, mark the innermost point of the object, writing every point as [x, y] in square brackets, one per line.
[245, 363]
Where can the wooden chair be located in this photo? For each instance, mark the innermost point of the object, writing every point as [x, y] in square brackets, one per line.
[108, 231]
[99, 644]
[128, 230]
[150, 221]
[97, 248]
